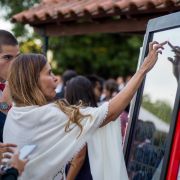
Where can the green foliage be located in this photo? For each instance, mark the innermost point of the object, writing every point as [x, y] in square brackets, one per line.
[30, 46]
[26, 39]
[107, 55]
[159, 108]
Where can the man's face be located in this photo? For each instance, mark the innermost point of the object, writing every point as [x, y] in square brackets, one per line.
[7, 54]
[97, 91]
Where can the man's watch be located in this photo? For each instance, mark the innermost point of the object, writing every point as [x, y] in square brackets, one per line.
[4, 106]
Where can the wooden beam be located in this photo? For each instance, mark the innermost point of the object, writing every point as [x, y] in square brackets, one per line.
[116, 26]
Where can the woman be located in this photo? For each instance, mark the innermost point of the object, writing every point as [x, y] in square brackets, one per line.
[58, 129]
[105, 146]
[80, 89]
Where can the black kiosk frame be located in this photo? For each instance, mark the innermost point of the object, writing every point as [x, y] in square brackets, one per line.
[155, 26]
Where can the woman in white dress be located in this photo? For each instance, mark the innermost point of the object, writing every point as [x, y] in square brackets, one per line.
[58, 129]
[102, 158]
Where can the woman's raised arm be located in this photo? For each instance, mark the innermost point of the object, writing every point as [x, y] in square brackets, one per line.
[123, 98]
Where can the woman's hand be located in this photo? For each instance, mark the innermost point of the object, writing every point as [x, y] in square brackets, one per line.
[123, 98]
[154, 49]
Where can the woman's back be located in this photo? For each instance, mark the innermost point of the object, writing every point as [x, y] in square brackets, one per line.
[105, 145]
[30, 125]
[45, 127]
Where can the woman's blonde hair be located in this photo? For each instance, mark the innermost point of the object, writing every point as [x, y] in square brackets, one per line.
[25, 91]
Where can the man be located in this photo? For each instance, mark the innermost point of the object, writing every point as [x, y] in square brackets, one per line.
[9, 49]
[67, 75]
[97, 83]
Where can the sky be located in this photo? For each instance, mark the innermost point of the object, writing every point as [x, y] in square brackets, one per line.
[160, 83]
[4, 24]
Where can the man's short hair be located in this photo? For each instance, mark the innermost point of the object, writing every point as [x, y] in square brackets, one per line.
[6, 38]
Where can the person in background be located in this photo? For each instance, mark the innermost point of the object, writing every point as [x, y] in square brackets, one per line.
[124, 121]
[103, 150]
[79, 89]
[9, 49]
[127, 79]
[120, 82]
[97, 83]
[67, 75]
[2, 86]
[59, 84]
[110, 89]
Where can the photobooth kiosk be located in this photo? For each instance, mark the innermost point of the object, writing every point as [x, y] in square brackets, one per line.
[152, 142]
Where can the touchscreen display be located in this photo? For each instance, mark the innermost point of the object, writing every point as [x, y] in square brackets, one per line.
[155, 115]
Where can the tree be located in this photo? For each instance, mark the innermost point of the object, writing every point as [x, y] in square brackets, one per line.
[14, 7]
[108, 55]
[27, 39]
[160, 108]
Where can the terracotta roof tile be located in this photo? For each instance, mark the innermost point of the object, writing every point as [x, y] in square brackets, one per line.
[65, 10]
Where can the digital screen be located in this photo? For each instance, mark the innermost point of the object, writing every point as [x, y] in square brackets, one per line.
[155, 115]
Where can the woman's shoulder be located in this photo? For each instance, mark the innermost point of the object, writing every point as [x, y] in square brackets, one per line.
[51, 107]
[35, 111]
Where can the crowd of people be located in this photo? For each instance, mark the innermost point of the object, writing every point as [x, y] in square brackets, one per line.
[76, 127]
[103, 90]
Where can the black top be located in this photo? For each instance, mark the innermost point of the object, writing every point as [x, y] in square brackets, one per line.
[2, 121]
[10, 174]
